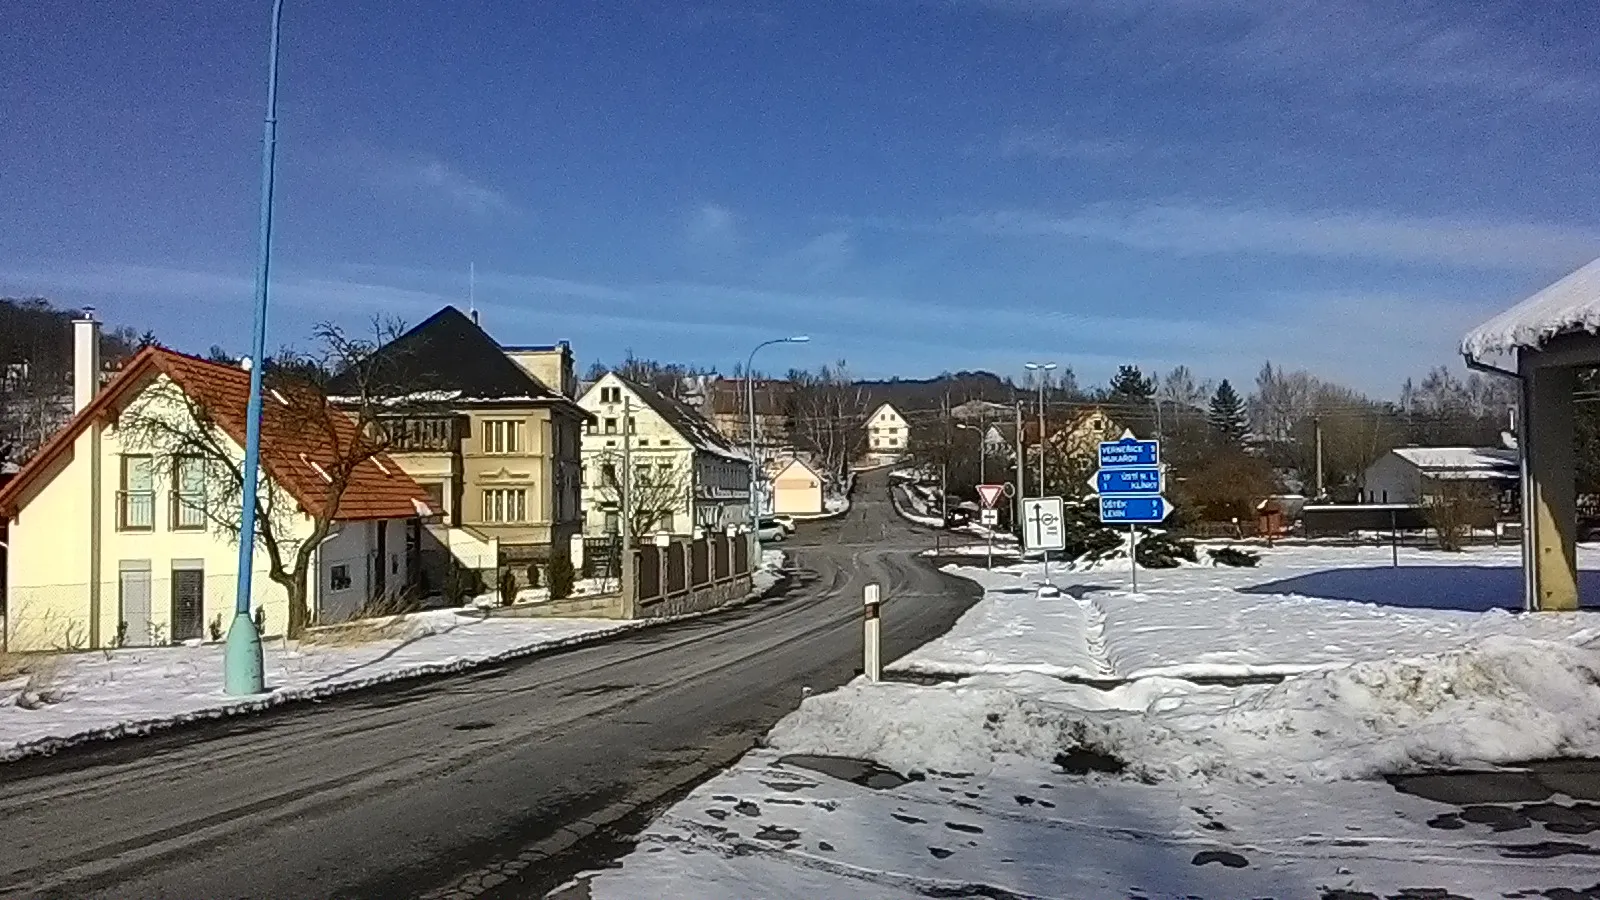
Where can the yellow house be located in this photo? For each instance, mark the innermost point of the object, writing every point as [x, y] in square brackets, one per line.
[797, 490]
[492, 433]
[116, 539]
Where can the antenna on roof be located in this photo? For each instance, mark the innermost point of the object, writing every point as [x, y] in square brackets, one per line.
[472, 291]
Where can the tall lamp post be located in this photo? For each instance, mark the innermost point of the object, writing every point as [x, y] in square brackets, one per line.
[750, 399]
[241, 658]
[1043, 369]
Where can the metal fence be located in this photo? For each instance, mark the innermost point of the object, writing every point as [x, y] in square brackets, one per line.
[683, 565]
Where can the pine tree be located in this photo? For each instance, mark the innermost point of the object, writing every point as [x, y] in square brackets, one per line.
[1227, 415]
[1132, 386]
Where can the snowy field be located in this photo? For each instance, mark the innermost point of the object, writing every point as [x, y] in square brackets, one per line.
[1153, 786]
[91, 696]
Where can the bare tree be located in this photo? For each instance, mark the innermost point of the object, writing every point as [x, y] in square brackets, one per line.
[1454, 508]
[331, 435]
[660, 487]
[829, 415]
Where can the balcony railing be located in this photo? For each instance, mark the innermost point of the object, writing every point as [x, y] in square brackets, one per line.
[136, 510]
[187, 511]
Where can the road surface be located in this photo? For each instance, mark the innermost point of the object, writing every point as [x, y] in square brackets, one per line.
[497, 783]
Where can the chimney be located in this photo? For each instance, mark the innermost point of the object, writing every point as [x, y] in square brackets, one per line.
[85, 359]
[475, 318]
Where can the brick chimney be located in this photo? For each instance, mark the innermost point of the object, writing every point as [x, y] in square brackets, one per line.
[85, 359]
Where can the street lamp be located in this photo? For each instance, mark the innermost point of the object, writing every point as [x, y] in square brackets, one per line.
[242, 670]
[1041, 368]
[750, 397]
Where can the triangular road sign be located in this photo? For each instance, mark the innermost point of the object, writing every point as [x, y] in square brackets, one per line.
[990, 494]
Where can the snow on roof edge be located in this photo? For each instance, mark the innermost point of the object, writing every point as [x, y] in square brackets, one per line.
[1569, 305]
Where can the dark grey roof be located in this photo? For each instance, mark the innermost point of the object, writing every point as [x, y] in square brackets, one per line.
[450, 359]
[680, 417]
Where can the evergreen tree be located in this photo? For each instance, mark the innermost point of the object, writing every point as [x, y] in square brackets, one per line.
[1227, 415]
[1131, 386]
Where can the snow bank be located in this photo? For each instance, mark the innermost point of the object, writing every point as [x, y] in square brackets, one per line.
[1506, 700]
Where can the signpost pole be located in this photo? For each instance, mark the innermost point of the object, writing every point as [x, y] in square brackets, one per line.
[1133, 556]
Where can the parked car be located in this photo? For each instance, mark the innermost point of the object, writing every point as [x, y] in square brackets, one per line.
[786, 522]
[770, 529]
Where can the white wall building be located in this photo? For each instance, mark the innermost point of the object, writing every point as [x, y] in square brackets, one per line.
[1411, 474]
[888, 435]
[677, 454]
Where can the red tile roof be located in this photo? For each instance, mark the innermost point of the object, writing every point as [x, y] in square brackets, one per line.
[300, 434]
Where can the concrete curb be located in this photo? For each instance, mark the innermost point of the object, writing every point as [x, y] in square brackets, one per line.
[139, 728]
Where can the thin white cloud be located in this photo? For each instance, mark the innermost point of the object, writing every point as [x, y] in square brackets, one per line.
[711, 226]
[1345, 44]
[1329, 234]
[1055, 145]
[431, 180]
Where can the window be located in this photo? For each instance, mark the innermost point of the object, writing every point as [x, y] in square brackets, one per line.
[435, 492]
[611, 395]
[136, 502]
[608, 472]
[631, 426]
[505, 505]
[188, 494]
[339, 578]
[611, 426]
[502, 436]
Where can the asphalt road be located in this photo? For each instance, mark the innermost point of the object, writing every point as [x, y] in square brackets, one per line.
[498, 783]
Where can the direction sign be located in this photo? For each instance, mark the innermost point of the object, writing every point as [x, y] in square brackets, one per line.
[990, 494]
[1126, 509]
[1129, 451]
[1044, 523]
[1133, 480]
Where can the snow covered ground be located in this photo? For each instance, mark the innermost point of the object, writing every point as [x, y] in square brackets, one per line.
[90, 696]
[1026, 785]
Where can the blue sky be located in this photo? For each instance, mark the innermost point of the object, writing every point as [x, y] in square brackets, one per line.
[921, 185]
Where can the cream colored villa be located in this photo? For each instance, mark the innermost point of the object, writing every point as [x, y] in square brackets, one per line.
[114, 542]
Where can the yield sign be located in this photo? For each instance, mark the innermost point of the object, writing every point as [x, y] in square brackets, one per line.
[990, 494]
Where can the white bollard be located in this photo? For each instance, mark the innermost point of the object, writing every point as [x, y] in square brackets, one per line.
[870, 660]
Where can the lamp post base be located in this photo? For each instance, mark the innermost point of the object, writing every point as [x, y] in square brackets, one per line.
[242, 669]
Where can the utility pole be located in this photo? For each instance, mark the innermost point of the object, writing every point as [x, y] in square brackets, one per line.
[1316, 422]
[624, 479]
[1041, 437]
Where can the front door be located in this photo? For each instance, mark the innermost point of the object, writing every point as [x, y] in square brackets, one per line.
[133, 597]
[188, 604]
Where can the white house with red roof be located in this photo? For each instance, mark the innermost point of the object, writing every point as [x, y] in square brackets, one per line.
[110, 543]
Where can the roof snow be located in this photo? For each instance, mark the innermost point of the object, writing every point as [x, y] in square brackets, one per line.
[1571, 304]
[1461, 462]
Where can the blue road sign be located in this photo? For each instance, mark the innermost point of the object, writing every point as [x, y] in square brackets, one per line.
[1143, 480]
[1133, 510]
[1129, 452]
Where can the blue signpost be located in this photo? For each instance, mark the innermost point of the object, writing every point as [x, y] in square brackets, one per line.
[1129, 485]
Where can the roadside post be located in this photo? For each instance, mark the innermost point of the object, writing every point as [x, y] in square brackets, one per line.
[870, 660]
[1129, 484]
[989, 495]
[1044, 527]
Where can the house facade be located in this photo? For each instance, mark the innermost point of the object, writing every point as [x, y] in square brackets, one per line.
[496, 446]
[117, 541]
[797, 490]
[686, 474]
[888, 435]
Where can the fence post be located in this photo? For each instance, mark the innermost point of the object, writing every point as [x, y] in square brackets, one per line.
[870, 658]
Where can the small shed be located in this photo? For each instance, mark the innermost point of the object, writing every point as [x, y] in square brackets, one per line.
[1543, 342]
[797, 490]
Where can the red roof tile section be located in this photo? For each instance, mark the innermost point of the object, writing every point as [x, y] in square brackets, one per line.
[300, 438]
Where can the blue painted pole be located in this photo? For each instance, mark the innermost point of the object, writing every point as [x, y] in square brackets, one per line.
[242, 663]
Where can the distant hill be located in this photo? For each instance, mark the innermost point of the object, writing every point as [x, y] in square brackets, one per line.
[929, 393]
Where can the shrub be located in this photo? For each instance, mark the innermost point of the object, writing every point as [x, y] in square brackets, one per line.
[261, 620]
[561, 577]
[1233, 556]
[1160, 550]
[215, 627]
[462, 585]
[533, 575]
